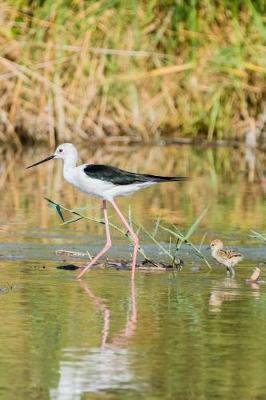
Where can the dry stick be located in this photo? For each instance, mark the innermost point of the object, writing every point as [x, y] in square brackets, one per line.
[51, 122]
[59, 110]
[74, 253]
[115, 52]
[153, 73]
[164, 25]
[10, 129]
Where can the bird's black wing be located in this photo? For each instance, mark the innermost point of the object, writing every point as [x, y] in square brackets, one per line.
[120, 177]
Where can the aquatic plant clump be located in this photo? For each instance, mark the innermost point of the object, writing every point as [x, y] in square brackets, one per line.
[176, 238]
[130, 71]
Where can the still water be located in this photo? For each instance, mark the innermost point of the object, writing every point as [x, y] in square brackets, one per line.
[192, 334]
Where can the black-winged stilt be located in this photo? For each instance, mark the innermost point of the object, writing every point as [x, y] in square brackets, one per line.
[106, 183]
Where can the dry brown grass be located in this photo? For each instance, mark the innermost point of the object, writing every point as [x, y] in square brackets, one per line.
[130, 72]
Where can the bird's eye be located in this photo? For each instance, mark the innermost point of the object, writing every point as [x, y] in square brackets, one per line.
[60, 150]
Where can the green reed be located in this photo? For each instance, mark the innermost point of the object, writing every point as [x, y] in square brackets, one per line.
[259, 236]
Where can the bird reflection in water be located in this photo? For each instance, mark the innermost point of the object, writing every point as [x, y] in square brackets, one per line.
[229, 290]
[122, 337]
[107, 367]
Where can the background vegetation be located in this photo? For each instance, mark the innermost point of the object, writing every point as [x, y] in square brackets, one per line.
[128, 70]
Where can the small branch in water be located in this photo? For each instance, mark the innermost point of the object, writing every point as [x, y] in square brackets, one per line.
[146, 265]
[70, 253]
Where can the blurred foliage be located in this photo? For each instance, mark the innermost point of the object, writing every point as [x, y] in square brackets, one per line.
[131, 70]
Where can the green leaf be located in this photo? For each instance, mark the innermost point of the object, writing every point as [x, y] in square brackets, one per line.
[71, 221]
[196, 223]
[57, 207]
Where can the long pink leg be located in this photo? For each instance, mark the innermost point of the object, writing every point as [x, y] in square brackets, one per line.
[133, 235]
[106, 247]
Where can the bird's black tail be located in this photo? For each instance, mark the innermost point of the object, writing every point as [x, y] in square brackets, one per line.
[158, 178]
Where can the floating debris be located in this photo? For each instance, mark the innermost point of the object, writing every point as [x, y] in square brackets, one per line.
[149, 265]
[7, 288]
[69, 253]
[125, 265]
[68, 267]
[255, 275]
[262, 264]
[254, 278]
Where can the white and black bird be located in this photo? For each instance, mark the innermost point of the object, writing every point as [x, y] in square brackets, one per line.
[106, 183]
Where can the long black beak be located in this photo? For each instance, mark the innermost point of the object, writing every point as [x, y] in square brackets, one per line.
[42, 161]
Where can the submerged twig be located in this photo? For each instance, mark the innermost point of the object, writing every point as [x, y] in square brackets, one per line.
[70, 253]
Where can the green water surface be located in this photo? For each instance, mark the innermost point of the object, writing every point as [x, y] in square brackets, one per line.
[189, 335]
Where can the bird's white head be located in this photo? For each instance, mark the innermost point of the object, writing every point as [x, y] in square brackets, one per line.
[65, 151]
[216, 245]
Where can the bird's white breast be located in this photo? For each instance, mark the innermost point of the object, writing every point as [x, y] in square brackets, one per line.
[94, 187]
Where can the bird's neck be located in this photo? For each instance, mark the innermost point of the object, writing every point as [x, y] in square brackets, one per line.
[214, 252]
[70, 163]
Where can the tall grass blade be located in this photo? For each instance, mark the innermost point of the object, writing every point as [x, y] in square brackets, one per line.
[196, 223]
[258, 235]
[185, 238]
